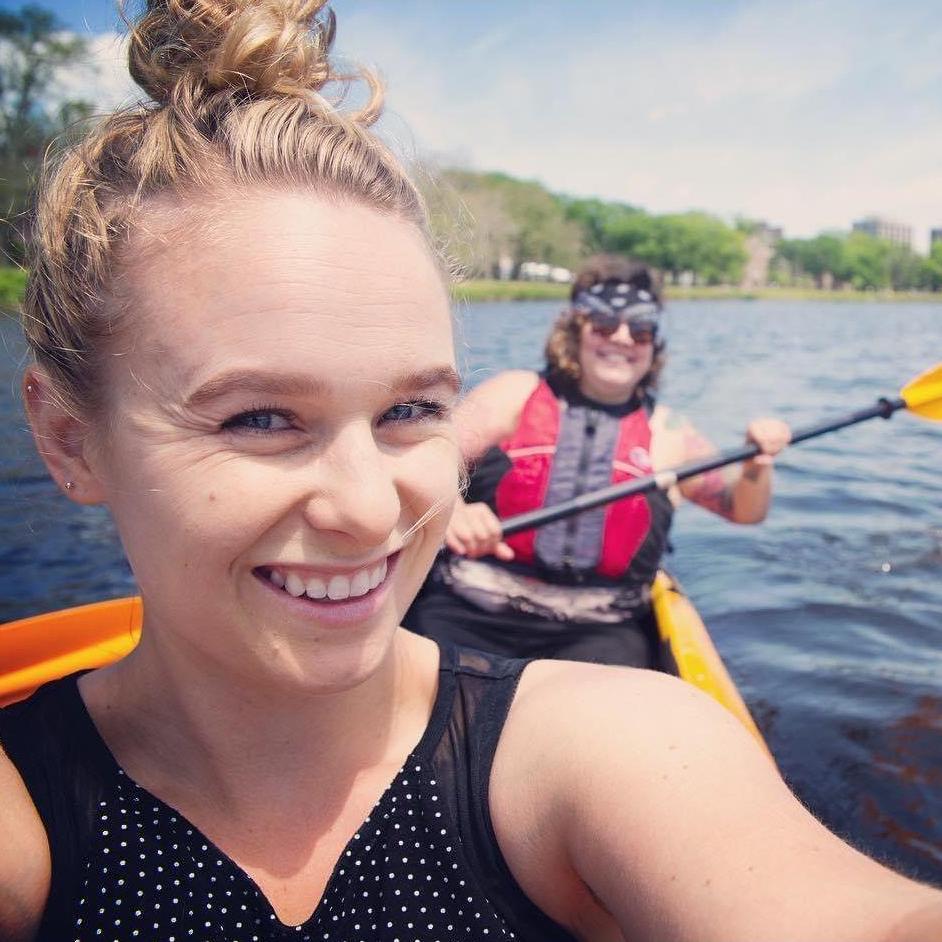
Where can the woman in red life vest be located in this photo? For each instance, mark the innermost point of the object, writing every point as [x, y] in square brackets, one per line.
[579, 588]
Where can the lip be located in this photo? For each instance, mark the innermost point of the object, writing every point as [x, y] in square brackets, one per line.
[327, 611]
[624, 355]
[348, 570]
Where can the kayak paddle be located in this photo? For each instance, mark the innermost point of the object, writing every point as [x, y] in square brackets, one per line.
[922, 396]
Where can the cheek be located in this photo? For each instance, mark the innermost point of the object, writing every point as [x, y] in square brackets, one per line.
[589, 360]
[173, 512]
[428, 479]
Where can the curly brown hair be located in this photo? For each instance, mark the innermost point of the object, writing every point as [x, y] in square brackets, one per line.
[562, 345]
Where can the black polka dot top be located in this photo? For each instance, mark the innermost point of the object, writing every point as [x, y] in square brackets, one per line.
[423, 867]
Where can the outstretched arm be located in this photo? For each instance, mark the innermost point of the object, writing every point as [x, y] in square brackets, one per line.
[649, 805]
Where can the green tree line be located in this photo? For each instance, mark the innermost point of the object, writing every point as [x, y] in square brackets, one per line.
[490, 223]
[487, 223]
[483, 218]
[857, 260]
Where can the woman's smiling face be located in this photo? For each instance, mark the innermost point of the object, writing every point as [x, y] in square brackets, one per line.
[611, 366]
[279, 455]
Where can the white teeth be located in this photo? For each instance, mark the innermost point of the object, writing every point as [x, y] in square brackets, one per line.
[335, 588]
[338, 588]
[378, 574]
[360, 583]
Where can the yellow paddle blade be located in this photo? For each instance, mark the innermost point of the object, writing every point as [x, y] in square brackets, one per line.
[923, 395]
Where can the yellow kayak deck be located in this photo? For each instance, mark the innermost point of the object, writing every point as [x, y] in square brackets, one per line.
[36, 650]
[698, 662]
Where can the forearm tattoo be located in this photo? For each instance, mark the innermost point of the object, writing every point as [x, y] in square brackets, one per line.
[713, 491]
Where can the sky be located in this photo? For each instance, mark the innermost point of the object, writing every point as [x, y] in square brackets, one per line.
[808, 114]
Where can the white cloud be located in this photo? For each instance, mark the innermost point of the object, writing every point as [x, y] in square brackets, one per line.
[103, 78]
[809, 114]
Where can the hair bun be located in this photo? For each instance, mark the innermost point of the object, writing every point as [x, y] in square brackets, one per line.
[263, 47]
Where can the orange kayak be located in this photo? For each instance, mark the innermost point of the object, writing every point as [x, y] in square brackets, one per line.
[41, 648]
[45, 647]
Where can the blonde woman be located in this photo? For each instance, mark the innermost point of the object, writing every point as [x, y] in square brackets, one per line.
[243, 348]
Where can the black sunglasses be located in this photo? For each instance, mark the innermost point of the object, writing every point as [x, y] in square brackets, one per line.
[641, 327]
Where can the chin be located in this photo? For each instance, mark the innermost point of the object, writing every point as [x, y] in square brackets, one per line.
[618, 382]
[329, 669]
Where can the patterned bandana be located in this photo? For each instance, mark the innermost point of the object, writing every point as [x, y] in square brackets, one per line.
[612, 303]
[617, 297]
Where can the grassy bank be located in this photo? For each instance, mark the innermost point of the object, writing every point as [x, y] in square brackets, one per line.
[13, 281]
[722, 292]
[493, 290]
[12, 286]
[489, 290]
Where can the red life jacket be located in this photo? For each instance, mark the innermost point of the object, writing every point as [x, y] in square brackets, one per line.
[560, 450]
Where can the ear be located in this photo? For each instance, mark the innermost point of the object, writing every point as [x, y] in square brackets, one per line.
[62, 439]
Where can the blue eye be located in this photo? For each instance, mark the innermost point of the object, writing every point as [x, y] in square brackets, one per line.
[413, 411]
[258, 420]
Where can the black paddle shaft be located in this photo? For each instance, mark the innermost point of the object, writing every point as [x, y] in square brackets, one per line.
[663, 480]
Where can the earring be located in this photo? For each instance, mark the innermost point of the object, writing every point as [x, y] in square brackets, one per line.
[29, 388]
[69, 485]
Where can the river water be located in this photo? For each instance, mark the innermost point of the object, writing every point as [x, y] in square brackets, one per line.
[828, 615]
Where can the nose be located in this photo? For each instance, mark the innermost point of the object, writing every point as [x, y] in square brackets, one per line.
[354, 493]
[622, 335]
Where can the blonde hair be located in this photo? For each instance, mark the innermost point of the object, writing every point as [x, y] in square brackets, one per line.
[237, 99]
[565, 338]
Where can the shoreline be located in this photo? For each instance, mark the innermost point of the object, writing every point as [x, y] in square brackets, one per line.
[475, 290]
[13, 283]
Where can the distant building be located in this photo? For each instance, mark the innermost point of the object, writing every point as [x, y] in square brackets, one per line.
[935, 235]
[760, 248]
[882, 228]
[770, 234]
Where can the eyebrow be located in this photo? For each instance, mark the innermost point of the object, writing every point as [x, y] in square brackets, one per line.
[302, 384]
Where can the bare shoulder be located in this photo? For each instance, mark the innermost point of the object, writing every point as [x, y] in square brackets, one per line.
[25, 867]
[636, 707]
[573, 732]
[670, 424]
[492, 410]
[509, 389]
[671, 437]
[613, 778]
[623, 724]
[666, 418]
[659, 418]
